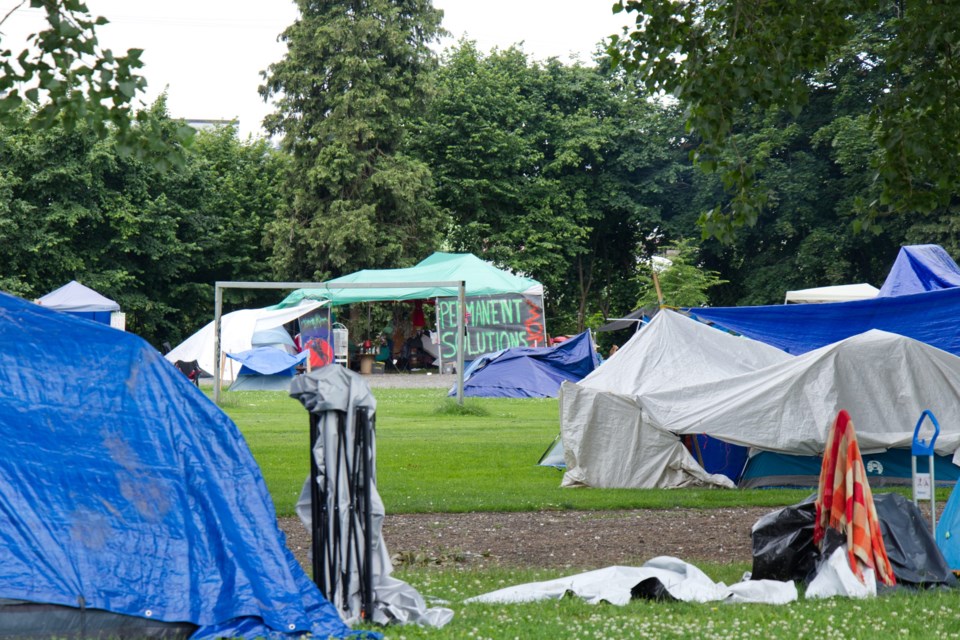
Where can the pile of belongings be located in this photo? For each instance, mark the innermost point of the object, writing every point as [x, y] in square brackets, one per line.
[840, 542]
[845, 541]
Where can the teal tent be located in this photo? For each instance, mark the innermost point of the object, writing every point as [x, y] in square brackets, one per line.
[481, 278]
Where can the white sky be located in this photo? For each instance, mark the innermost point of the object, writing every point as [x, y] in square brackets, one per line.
[208, 54]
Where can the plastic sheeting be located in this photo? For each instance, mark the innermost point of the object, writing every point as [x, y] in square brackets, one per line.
[268, 361]
[618, 585]
[238, 332]
[929, 317]
[324, 392]
[122, 483]
[919, 268]
[607, 440]
[530, 372]
[783, 546]
[883, 380]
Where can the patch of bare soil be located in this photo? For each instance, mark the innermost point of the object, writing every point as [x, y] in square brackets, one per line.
[559, 539]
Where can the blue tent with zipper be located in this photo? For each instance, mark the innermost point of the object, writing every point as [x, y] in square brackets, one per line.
[530, 372]
[129, 503]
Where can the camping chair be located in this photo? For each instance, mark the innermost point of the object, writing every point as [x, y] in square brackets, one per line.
[384, 358]
[190, 369]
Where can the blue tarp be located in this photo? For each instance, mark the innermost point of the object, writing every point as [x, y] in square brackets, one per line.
[268, 361]
[918, 268]
[530, 372]
[930, 317]
[122, 483]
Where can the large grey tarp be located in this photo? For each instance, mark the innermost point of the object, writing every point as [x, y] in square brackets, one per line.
[324, 393]
[883, 380]
[608, 440]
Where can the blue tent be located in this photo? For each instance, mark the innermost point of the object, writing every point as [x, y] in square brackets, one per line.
[530, 372]
[123, 489]
[919, 268]
[266, 369]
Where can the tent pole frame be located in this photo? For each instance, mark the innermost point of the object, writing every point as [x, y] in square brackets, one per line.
[219, 286]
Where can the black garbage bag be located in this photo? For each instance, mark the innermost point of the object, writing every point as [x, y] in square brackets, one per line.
[783, 546]
[911, 548]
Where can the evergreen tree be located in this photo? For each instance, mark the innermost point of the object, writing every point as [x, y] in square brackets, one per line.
[356, 74]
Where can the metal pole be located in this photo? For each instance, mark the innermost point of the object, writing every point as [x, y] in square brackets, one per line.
[317, 524]
[933, 498]
[217, 310]
[367, 453]
[461, 338]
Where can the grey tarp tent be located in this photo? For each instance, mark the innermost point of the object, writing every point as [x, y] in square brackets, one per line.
[606, 438]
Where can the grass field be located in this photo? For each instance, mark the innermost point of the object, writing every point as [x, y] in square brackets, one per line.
[430, 461]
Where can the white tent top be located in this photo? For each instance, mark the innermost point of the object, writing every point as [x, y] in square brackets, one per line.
[77, 298]
[673, 350]
[239, 331]
[838, 293]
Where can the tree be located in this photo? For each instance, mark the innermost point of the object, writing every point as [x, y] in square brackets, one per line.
[72, 80]
[726, 59]
[355, 76]
[683, 282]
[154, 240]
[553, 170]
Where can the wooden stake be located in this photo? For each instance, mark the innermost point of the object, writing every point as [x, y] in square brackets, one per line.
[656, 284]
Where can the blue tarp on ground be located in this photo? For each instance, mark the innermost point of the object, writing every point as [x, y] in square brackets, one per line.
[930, 317]
[918, 268]
[530, 372]
[122, 483]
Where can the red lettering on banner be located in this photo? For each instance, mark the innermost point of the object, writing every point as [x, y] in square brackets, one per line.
[534, 325]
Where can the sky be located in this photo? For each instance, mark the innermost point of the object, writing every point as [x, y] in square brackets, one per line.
[208, 54]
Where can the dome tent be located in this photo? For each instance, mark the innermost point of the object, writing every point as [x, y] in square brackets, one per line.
[129, 493]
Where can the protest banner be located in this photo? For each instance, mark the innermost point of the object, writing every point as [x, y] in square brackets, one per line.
[493, 323]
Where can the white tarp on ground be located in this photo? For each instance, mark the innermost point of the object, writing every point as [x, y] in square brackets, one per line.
[239, 331]
[682, 581]
[883, 380]
[606, 438]
[837, 293]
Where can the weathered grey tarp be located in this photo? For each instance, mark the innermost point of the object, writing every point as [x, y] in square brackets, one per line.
[328, 393]
[608, 440]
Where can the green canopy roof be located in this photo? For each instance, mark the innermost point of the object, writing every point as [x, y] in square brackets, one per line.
[481, 279]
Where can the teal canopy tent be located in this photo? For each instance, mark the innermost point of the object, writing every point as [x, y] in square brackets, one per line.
[482, 279]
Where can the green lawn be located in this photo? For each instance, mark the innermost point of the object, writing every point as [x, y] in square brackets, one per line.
[431, 461]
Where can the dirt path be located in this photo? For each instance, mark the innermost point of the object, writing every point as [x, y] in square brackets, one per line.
[560, 539]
